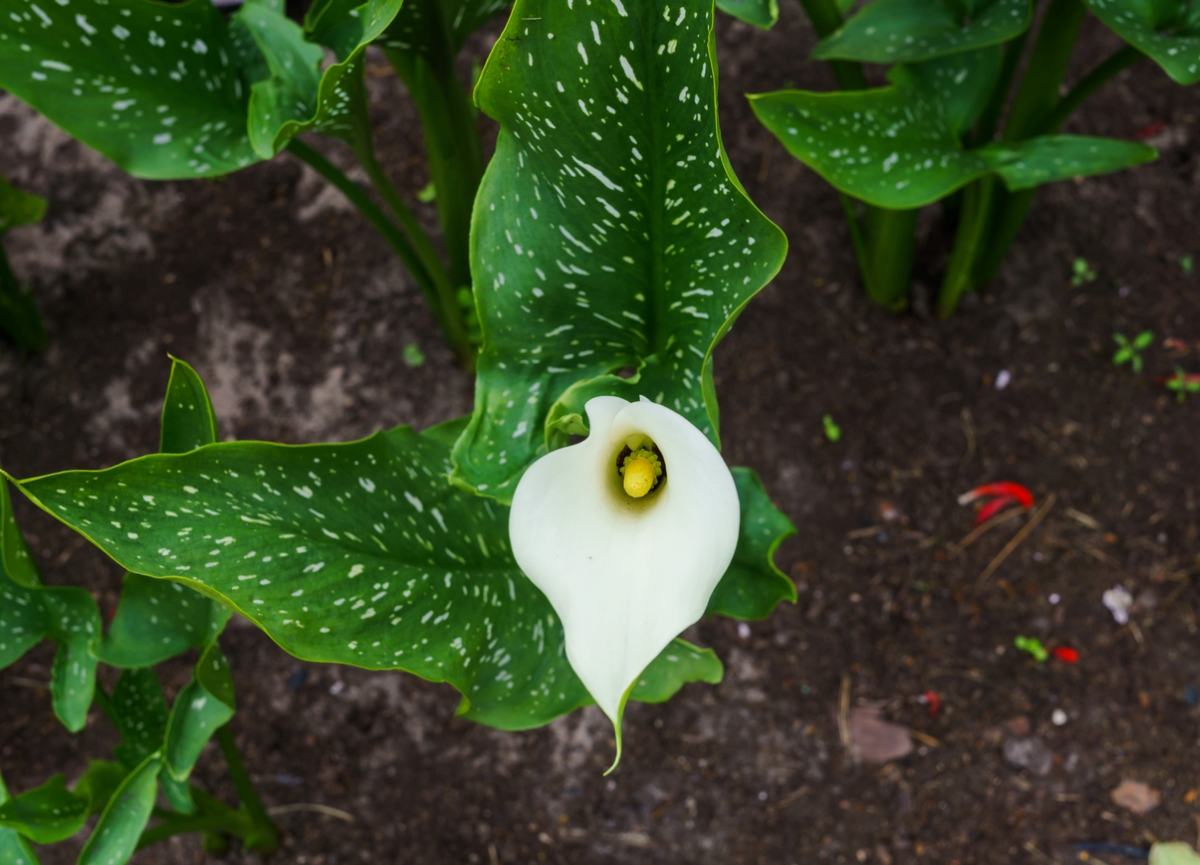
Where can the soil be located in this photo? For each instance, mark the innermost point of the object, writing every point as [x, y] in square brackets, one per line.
[295, 313]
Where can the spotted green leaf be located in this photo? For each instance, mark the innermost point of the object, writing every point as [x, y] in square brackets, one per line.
[895, 146]
[45, 814]
[203, 705]
[354, 553]
[98, 783]
[760, 13]
[171, 90]
[66, 615]
[609, 230]
[1168, 31]
[410, 31]
[14, 849]
[115, 837]
[753, 585]
[678, 665]
[157, 619]
[906, 31]
[139, 713]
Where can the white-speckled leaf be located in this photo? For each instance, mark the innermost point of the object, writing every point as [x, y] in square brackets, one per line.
[895, 146]
[1167, 31]
[410, 29]
[354, 553]
[609, 231]
[31, 612]
[906, 31]
[14, 850]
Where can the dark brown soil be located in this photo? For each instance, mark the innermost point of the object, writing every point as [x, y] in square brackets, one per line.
[296, 315]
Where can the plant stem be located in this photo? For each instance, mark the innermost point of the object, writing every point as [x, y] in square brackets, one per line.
[229, 823]
[1089, 84]
[444, 302]
[989, 120]
[1036, 98]
[369, 209]
[264, 836]
[886, 245]
[972, 227]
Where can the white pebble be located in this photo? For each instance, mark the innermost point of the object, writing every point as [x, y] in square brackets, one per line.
[1002, 379]
[1059, 717]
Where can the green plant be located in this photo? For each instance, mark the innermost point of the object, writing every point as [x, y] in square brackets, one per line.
[159, 746]
[833, 432]
[1130, 351]
[1082, 273]
[1187, 263]
[935, 132]
[1181, 383]
[611, 248]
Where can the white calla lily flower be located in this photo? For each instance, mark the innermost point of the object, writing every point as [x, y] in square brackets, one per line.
[627, 533]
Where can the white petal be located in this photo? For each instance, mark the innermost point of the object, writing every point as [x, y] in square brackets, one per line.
[625, 576]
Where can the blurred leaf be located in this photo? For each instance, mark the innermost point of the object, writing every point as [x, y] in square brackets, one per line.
[201, 707]
[14, 850]
[140, 716]
[906, 31]
[760, 13]
[45, 814]
[19, 316]
[609, 231]
[18, 208]
[98, 783]
[679, 664]
[1168, 31]
[115, 837]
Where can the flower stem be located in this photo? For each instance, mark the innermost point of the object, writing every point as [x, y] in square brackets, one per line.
[972, 227]
[263, 836]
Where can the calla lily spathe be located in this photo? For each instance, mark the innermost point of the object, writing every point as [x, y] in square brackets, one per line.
[626, 573]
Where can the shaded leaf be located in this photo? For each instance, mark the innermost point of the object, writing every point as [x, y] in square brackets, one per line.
[115, 837]
[140, 716]
[1167, 31]
[753, 585]
[906, 31]
[760, 13]
[609, 230]
[18, 208]
[14, 850]
[99, 782]
[410, 31]
[45, 814]
[201, 707]
[354, 553]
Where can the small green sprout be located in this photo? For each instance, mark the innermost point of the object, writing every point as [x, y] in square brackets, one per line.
[1186, 263]
[1033, 646]
[1131, 352]
[413, 356]
[833, 432]
[428, 194]
[1182, 383]
[1082, 272]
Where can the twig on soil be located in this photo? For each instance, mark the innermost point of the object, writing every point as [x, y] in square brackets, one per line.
[1020, 536]
[844, 712]
[792, 797]
[968, 428]
[36, 684]
[978, 531]
[493, 858]
[277, 810]
[1037, 854]
[924, 738]
[1083, 519]
[1137, 634]
[864, 533]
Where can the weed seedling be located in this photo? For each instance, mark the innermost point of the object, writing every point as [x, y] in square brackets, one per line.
[1182, 383]
[1131, 352]
[1187, 264]
[1082, 272]
[833, 432]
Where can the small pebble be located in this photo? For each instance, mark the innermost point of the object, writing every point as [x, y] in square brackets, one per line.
[1002, 379]
[1118, 601]
[762, 795]
[298, 678]
[1059, 717]
[743, 630]
[1191, 696]
[1055, 597]
[337, 687]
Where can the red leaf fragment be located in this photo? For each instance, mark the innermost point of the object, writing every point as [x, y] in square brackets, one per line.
[934, 702]
[992, 508]
[1151, 130]
[1066, 654]
[1002, 488]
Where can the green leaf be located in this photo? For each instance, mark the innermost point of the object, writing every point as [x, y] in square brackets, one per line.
[894, 146]
[760, 13]
[30, 612]
[18, 208]
[905, 31]
[1173, 853]
[753, 585]
[354, 553]
[140, 715]
[19, 316]
[409, 31]
[609, 230]
[153, 86]
[201, 707]
[99, 782]
[115, 837]
[679, 664]
[14, 850]
[45, 814]
[962, 82]
[1168, 31]
[156, 620]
